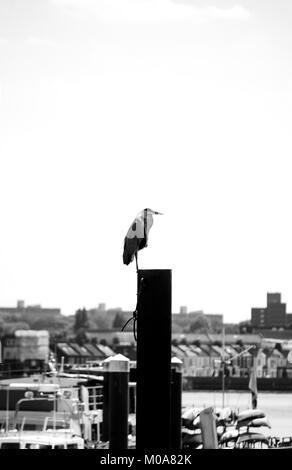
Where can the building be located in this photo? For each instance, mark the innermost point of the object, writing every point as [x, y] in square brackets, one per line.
[273, 315]
[202, 338]
[71, 353]
[22, 310]
[183, 310]
[25, 350]
[185, 319]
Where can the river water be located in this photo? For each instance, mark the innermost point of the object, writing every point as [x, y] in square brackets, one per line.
[276, 405]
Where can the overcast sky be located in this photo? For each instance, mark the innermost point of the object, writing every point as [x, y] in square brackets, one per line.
[110, 106]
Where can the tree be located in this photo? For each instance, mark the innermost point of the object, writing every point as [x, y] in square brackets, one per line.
[10, 328]
[279, 348]
[81, 336]
[81, 320]
[183, 340]
[245, 327]
[118, 321]
[102, 321]
[176, 328]
[198, 323]
[115, 341]
[50, 324]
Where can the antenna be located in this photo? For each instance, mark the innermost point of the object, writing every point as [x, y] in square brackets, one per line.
[223, 367]
[7, 408]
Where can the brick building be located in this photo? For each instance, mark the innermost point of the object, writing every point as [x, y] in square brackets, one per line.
[273, 315]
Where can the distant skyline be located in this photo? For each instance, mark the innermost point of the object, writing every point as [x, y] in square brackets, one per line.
[111, 106]
[183, 309]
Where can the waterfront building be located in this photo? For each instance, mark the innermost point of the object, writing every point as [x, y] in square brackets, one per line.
[71, 353]
[82, 351]
[190, 360]
[64, 352]
[110, 337]
[272, 316]
[275, 359]
[25, 350]
[203, 361]
[214, 357]
[245, 362]
[127, 349]
[96, 355]
[261, 363]
[106, 350]
[231, 339]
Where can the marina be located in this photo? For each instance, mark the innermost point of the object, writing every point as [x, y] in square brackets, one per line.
[66, 411]
[145, 159]
[277, 406]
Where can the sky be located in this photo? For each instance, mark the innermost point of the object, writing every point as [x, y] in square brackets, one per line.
[111, 106]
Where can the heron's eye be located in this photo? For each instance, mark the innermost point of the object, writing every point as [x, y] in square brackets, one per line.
[134, 226]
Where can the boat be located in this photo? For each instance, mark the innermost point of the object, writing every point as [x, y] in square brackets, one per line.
[250, 414]
[242, 437]
[38, 421]
[45, 415]
[252, 440]
[228, 439]
[191, 425]
[39, 440]
[254, 423]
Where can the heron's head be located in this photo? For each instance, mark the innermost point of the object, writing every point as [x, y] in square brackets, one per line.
[150, 211]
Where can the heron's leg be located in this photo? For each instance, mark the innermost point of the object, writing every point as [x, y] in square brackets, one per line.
[136, 258]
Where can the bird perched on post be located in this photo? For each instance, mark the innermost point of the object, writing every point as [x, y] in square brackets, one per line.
[137, 235]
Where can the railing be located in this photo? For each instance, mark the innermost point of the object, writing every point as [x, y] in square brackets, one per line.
[29, 423]
[56, 422]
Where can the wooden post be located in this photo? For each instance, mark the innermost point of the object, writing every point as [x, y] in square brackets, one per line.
[153, 360]
[105, 402]
[208, 428]
[118, 372]
[176, 403]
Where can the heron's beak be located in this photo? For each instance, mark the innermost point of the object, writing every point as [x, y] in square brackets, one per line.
[158, 213]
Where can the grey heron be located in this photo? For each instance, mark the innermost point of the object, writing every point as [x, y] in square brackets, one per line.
[137, 235]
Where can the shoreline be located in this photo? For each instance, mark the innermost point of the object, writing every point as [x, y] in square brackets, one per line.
[268, 384]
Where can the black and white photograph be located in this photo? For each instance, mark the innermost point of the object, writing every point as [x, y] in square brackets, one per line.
[145, 228]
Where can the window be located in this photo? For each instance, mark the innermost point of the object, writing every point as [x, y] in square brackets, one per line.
[10, 445]
[29, 446]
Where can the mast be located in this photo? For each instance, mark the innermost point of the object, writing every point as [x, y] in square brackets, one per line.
[7, 408]
[223, 367]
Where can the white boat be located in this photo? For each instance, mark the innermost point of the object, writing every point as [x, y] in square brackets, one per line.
[47, 417]
[39, 440]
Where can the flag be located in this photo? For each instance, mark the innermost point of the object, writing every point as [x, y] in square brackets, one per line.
[252, 385]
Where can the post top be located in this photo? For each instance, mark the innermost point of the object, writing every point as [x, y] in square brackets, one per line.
[176, 360]
[177, 364]
[118, 363]
[154, 270]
